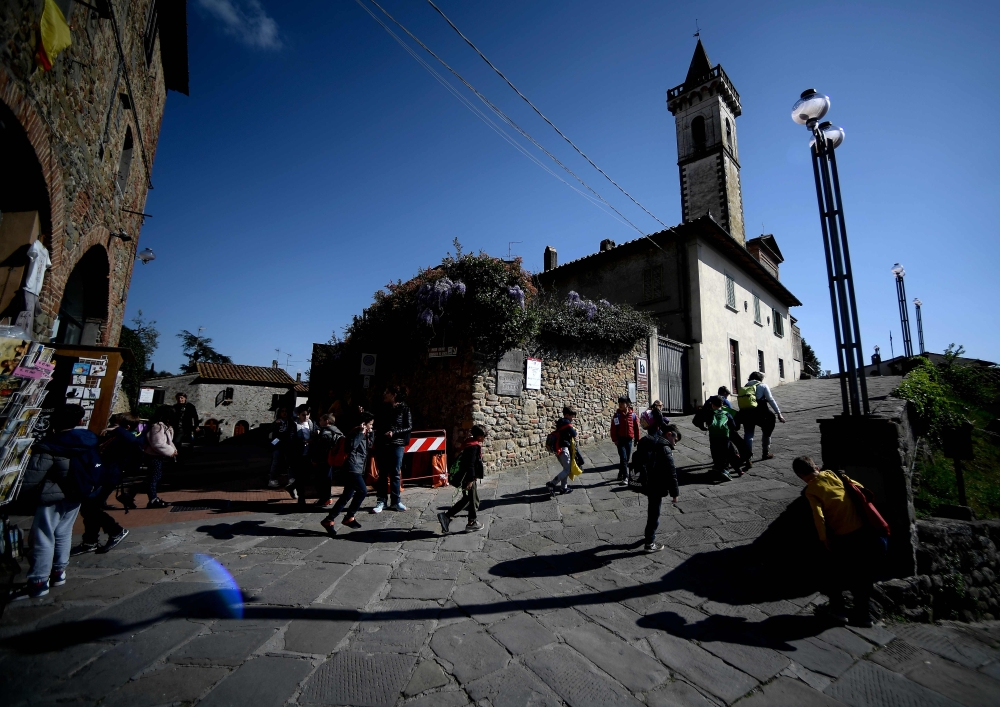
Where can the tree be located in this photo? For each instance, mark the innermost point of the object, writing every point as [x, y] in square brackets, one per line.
[198, 349]
[132, 371]
[810, 364]
[148, 334]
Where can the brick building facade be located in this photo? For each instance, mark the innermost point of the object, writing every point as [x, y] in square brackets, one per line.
[78, 144]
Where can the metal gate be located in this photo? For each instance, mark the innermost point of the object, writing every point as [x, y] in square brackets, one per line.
[671, 374]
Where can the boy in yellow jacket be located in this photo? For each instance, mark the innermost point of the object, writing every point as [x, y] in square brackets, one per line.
[855, 549]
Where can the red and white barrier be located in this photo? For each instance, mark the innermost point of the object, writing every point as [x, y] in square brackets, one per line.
[427, 444]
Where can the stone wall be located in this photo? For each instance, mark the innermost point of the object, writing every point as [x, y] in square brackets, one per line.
[76, 122]
[958, 563]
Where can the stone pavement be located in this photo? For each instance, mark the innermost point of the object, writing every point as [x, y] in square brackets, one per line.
[552, 603]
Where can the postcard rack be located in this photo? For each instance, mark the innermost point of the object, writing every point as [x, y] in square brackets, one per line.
[25, 371]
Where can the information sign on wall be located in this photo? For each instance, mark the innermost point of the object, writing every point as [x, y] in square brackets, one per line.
[368, 364]
[509, 383]
[146, 395]
[534, 366]
[513, 360]
[641, 375]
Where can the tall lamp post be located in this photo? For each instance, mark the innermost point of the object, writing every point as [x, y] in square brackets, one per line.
[808, 111]
[904, 313]
[917, 304]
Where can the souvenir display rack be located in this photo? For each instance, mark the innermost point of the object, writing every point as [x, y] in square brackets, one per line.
[25, 371]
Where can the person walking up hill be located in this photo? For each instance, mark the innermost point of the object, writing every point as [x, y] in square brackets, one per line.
[470, 470]
[754, 399]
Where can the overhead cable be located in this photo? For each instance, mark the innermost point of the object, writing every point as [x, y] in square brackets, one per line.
[599, 202]
[542, 115]
[503, 116]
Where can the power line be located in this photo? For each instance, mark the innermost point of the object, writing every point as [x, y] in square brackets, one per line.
[503, 116]
[542, 115]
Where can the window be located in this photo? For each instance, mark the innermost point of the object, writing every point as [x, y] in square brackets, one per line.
[729, 134]
[734, 363]
[781, 368]
[730, 292]
[125, 163]
[756, 310]
[698, 131]
[652, 282]
[152, 29]
[760, 360]
[779, 322]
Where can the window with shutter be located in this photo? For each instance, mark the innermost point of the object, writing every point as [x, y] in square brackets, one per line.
[730, 291]
[781, 368]
[756, 310]
[779, 323]
[760, 360]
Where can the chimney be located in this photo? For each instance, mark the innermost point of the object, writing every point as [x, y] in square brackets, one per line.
[274, 363]
[298, 376]
[551, 258]
[607, 244]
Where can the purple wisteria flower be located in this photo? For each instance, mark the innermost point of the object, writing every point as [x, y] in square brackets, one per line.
[458, 288]
[426, 317]
[516, 294]
[604, 303]
[590, 310]
[572, 297]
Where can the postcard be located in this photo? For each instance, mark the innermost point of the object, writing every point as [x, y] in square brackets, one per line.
[91, 393]
[8, 482]
[99, 368]
[81, 369]
[88, 404]
[20, 450]
[79, 380]
[74, 393]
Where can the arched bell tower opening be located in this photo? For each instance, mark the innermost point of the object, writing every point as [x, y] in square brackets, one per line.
[83, 312]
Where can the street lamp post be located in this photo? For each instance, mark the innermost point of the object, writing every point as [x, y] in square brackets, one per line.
[920, 323]
[904, 313]
[808, 111]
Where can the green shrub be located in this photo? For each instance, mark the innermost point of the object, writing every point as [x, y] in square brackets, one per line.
[931, 400]
[600, 325]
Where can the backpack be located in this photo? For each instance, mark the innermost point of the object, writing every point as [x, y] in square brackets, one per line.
[337, 456]
[552, 442]
[747, 396]
[454, 473]
[639, 468]
[718, 428]
[88, 474]
[864, 502]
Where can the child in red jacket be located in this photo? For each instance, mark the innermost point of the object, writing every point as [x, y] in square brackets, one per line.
[624, 432]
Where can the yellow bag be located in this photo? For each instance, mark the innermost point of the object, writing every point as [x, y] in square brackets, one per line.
[574, 468]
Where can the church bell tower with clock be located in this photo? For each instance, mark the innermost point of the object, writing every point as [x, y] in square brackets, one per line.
[705, 108]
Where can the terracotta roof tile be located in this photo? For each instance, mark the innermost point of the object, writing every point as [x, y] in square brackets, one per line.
[234, 373]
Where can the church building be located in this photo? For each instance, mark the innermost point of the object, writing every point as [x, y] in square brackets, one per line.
[717, 298]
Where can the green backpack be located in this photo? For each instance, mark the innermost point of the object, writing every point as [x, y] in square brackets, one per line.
[718, 428]
[747, 396]
[454, 473]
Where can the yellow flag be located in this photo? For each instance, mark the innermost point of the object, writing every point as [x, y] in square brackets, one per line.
[53, 35]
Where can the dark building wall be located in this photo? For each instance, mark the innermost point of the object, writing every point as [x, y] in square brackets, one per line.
[77, 123]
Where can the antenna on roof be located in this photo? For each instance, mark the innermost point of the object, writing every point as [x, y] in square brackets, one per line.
[697, 28]
[509, 244]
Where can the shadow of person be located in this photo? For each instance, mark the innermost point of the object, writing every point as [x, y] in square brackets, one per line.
[564, 564]
[228, 531]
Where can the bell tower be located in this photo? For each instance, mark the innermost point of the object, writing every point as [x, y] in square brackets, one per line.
[705, 108]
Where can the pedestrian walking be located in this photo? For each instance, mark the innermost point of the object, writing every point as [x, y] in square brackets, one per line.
[624, 433]
[703, 418]
[158, 449]
[392, 433]
[754, 399]
[565, 434]
[470, 469]
[279, 444]
[855, 548]
[355, 489]
[654, 454]
[721, 431]
[64, 468]
[300, 434]
[327, 438]
[121, 451]
[186, 424]
[646, 418]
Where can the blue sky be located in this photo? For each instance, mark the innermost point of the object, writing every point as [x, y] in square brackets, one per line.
[315, 160]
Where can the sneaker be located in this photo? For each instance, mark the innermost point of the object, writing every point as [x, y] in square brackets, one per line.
[112, 542]
[473, 526]
[331, 526]
[273, 484]
[157, 503]
[767, 456]
[57, 579]
[379, 507]
[326, 505]
[397, 506]
[32, 590]
[653, 547]
[724, 477]
[566, 489]
[445, 522]
[290, 487]
[83, 549]
[352, 523]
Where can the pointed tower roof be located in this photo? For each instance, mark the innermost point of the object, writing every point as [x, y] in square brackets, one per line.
[700, 67]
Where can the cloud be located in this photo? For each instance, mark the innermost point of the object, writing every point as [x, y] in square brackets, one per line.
[246, 20]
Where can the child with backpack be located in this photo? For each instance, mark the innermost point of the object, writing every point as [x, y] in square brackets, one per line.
[158, 448]
[721, 428]
[355, 489]
[559, 441]
[856, 546]
[754, 399]
[624, 432]
[654, 460]
[64, 469]
[321, 448]
[470, 469]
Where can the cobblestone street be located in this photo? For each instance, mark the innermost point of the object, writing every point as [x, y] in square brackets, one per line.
[553, 603]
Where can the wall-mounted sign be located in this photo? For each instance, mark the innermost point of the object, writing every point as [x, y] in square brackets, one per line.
[509, 383]
[146, 395]
[442, 351]
[368, 382]
[641, 375]
[534, 367]
[368, 364]
[513, 360]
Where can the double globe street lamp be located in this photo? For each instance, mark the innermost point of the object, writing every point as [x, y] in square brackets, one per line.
[904, 313]
[917, 304]
[809, 110]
